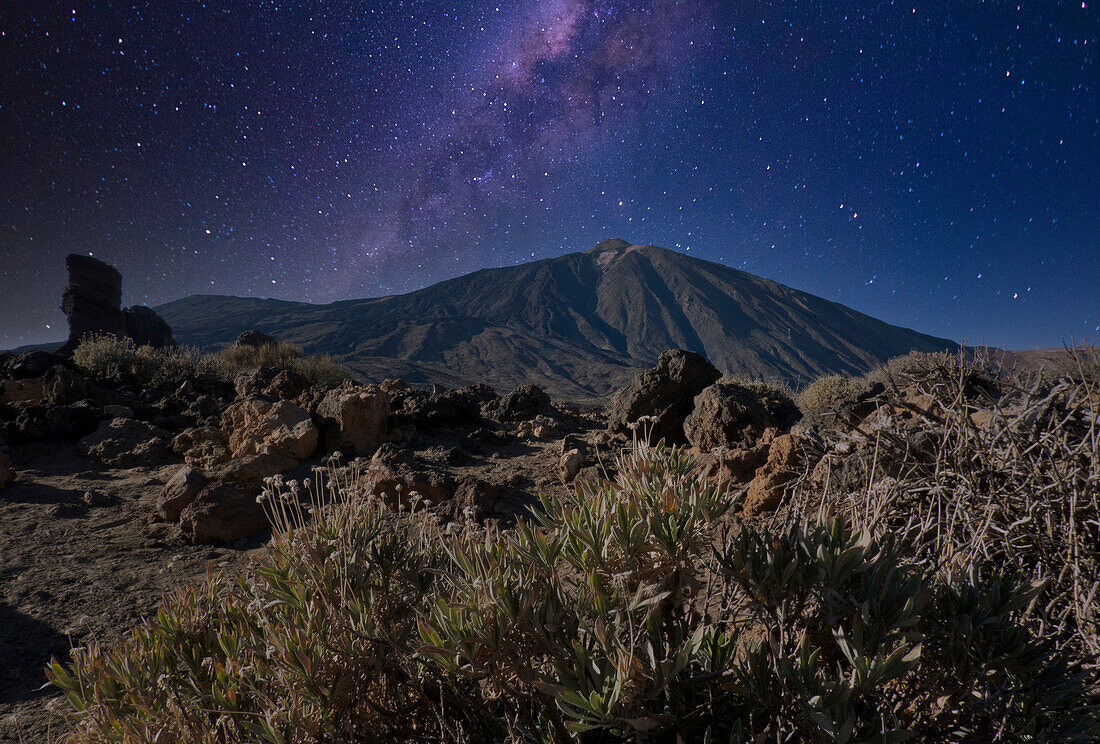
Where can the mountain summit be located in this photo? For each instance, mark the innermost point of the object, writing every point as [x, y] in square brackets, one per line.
[578, 325]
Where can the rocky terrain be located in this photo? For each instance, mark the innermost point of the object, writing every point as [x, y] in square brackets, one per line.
[118, 485]
[578, 326]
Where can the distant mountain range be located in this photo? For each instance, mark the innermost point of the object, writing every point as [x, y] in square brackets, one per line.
[578, 325]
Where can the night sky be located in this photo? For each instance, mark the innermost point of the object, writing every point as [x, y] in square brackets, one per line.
[933, 164]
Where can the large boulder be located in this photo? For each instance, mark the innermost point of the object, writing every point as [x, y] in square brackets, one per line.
[251, 470]
[222, 513]
[727, 415]
[254, 381]
[522, 404]
[287, 385]
[179, 492]
[127, 443]
[442, 409]
[71, 422]
[738, 466]
[474, 498]
[92, 301]
[257, 424]
[202, 446]
[353, 417]
[666, 393]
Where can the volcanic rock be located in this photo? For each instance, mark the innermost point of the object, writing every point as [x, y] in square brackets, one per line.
[736, 466]
[666, 393]
[179, 492]
[397, 482]
[126, 443]
[287, 385]
[202, 446]
[257, 424]
[522, 404]
[221, 513]
[354, 417]
[92, 301]
[22, 391]
[727, 415]
[766, 489]
[62, 386]
[255, 381]
[474, 498]
[71, 422]
[251, 470]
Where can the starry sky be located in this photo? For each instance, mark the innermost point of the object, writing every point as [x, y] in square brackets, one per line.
[933, 164]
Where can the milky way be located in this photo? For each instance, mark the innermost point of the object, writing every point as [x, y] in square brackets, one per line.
[930, 164]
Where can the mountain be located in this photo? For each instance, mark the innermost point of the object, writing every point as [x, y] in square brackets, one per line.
[578, 325]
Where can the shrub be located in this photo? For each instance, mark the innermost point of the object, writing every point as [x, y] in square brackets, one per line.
[628, 611]
[825, 392]
[105, 356]
[282, 355]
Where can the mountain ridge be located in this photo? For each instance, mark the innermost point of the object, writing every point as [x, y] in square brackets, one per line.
[579, 324]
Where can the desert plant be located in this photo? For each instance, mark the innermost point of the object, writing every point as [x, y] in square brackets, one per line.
[825, 392]
[318, 369]
[105, 356]
[630, 610]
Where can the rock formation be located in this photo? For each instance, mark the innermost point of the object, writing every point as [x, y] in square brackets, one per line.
[92, 302]
[665, 393]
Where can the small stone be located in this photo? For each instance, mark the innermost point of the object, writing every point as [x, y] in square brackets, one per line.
[98, 498]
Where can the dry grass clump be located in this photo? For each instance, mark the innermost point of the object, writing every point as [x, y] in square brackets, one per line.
[281, 355]
[107, 356]
[825, 392]
[629, 611]
[976, 473]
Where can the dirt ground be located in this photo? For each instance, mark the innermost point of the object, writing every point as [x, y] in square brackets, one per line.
[81, 559]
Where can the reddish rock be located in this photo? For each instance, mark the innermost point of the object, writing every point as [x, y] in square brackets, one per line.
[784, 463]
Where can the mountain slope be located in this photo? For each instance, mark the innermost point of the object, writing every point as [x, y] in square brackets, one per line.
[578, 324]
